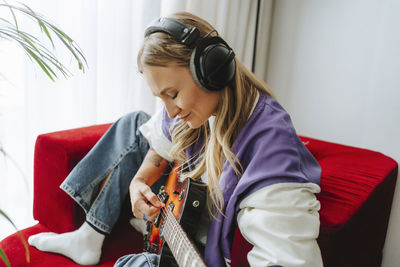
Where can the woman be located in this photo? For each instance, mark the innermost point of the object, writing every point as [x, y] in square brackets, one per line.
[226, 128]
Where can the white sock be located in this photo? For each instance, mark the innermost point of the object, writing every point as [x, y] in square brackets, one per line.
[82, 246]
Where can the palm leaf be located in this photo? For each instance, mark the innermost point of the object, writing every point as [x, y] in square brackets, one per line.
[40, 22]
[14, 17]
[28, 259]
[33, 47]
[41, 63]
[4, 257]
[35, 51]
[44, 28]
[70, 44]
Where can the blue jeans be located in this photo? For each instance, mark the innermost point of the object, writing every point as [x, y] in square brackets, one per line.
[138, 260]
[120, 152]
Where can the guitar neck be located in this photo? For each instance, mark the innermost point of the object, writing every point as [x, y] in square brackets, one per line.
[181, 247]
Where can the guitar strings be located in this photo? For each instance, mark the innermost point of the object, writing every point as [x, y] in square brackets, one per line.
[182, 237]
[167, 216]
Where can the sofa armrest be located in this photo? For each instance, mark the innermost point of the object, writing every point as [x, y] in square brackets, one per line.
[55, 156]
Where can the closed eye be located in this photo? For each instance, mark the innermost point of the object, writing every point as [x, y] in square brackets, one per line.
[175, 95]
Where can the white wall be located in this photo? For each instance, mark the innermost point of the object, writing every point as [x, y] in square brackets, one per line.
[335, 66]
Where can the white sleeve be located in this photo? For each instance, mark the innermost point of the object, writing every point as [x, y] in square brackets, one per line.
[281, 221]
[152, 131]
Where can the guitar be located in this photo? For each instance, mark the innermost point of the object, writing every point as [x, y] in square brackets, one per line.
[171, 232]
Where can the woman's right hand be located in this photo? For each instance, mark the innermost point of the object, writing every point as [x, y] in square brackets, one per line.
[143, 200]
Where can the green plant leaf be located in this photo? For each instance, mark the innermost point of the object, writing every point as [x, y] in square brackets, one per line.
[4, 257]
[27, 254]
[8, 219]
[35, 54]
[34, 48]
[6, 21]
[63, 34]
[27, 40]
[14, 17]
[40, 22]
[42, 26]
[70, 45]
[41, 63]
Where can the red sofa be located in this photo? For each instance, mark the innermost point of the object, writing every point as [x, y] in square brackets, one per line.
[357, 190]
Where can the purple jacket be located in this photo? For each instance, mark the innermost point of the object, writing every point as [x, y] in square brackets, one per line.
[270, 152]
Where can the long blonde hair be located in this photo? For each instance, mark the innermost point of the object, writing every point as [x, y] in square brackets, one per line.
[237, 100]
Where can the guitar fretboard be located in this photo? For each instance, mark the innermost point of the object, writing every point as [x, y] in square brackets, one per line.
[183, 250]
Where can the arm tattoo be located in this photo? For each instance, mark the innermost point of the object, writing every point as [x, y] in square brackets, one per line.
[156, 160]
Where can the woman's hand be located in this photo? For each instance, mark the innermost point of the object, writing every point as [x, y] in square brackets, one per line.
[143, 200]
[145, 204]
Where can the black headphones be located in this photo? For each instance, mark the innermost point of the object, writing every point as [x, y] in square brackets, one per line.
[212, 63]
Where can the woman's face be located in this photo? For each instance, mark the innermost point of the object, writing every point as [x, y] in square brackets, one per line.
[180, 94]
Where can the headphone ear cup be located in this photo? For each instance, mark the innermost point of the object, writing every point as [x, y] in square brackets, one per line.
[212, 64]
[194, 70]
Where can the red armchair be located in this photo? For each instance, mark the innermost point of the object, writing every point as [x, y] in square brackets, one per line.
[357, 190]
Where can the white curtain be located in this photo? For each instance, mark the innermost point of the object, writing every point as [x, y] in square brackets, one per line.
[109, 33]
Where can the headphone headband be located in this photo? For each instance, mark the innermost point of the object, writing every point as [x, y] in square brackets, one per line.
[178, 30]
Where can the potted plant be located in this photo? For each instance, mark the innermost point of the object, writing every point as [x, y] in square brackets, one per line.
[39, 54]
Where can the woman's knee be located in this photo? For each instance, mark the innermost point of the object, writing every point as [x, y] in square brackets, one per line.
[139, 117]
[138, 260]
[132, 120]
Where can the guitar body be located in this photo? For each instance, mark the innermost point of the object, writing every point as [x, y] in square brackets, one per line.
[186, 200]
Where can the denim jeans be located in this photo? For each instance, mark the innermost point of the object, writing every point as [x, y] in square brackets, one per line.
[120, 152]
[138, 260]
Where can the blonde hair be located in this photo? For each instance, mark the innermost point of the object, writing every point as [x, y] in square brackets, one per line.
[237, 100]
